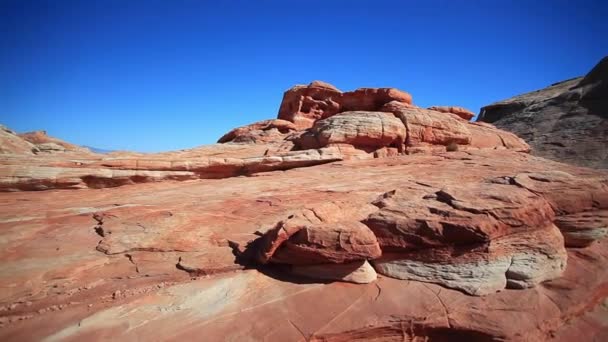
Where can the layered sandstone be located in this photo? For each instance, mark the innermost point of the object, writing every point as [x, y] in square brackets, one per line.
[460, 112]
[46, 143]
[367, 123]
[316, 226]
[11, 143]
[303, 105]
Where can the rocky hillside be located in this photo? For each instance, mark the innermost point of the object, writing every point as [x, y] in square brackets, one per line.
[567, 121]
[351, 216]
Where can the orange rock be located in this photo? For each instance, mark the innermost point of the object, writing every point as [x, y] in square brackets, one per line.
[303, 105]
[372, 99]
[42, 140]
[321, 84]
[100, 253]
[426, 126]
[259, 132]
[11, 143]
[369, 131]
[458, 111]
[163, 246]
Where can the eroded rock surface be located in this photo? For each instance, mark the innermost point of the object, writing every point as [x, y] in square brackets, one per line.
[354, 219]
[566, 121]
[460, 112]
[11, 143]
[316, 124]
[259, 132]
[76, 261]
[303, 105]
[367, 131]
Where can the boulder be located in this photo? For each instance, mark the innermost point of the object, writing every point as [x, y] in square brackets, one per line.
[369, 131]
[428, 126]
[261, 132]
[296, 243]
[412, 219]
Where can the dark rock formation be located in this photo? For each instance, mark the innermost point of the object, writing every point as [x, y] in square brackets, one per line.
[568, 121]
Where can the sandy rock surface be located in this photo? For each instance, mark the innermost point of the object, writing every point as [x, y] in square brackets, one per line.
[374, 220]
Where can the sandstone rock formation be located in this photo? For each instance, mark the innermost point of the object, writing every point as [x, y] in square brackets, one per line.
[368, 131]
[566, 121]
[357, 225]
[259, 132]
[368, 123]
[11, 143]
[46, 143]
[458, 111]
[303, 105]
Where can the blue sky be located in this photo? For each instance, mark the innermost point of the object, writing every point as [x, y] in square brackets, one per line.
[162, 75]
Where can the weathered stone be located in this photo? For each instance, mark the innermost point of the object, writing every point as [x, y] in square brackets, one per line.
[422, 217]
[359, 272]
[46, 143]
[518, 261]
[458, 111]
[582, 229]
[159, 259]
[11, 143]
[484, 135]
[427, 126]
[105, 172]
[304, 105]
[566, 121]
[372, 99]
[261, 132]
[369, 131]
[296, 243]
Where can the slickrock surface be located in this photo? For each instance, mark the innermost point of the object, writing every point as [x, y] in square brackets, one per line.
[567, 121]
[379, 221]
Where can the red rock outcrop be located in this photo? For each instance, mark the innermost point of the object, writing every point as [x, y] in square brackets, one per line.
[11, 143]
[303, 105]
[82, 258]
[429, 127]
[368, 131]
[483, 242]
[582, 229]
[260, 132]
[458, 111]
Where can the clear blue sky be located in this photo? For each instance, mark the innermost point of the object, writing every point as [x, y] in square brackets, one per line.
[162, 75]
